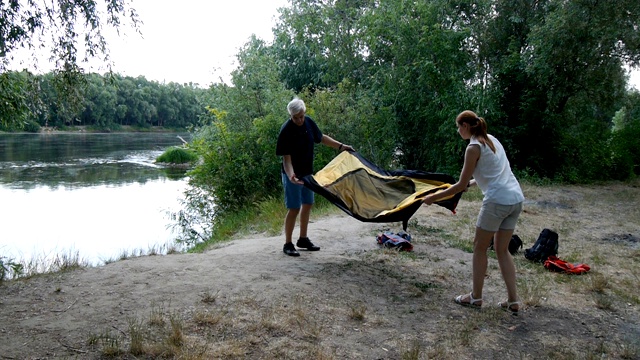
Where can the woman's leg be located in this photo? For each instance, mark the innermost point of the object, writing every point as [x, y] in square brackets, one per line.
[481, 243]
[505, 261]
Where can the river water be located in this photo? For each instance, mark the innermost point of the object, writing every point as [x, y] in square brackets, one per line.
[97, 196]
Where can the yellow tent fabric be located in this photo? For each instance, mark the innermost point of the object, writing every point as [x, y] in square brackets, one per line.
[369, 193]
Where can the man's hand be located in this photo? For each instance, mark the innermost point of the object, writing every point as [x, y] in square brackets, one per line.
[295, 180]
[347, 147]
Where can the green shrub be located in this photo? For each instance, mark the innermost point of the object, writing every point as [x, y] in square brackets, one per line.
[9, 268]
[177, 155]
[31, 126]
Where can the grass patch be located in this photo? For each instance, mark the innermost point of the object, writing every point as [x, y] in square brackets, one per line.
[265, 217]
[58, 263]
[177, 155]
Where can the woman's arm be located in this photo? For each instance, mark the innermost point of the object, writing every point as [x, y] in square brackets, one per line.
[471, 156]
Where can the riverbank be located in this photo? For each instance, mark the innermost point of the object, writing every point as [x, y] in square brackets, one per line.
[245, 299]
[123, 129]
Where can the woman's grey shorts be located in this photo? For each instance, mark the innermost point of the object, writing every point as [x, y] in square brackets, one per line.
[494, 217]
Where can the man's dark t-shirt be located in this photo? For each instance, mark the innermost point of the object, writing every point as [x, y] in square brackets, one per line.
[298, 141]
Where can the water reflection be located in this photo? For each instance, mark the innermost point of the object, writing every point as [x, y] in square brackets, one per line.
[97, 194]
[77, 160]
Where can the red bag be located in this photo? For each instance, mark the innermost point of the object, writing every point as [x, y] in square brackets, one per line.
[554, 263]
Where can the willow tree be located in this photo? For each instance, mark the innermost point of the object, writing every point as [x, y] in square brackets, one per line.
[72, 31]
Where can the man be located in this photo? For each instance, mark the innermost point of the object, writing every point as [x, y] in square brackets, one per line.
[296, 141]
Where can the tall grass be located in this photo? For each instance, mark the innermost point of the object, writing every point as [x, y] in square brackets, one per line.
[14, 269]
[177, 155]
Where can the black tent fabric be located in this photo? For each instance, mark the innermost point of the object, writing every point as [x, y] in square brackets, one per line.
[371, 194]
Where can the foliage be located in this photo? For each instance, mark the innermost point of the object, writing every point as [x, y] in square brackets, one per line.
[177, 155]
[556, 74]
[236, 140]
[352, 117]
[420, 68]
[103, 102]
[17, 100]
[237, 137]
[318, 44]
[31, 126]
[71, 30]
[193, 223]
[623, 143]
[238, 134]
[9, 267]
[74, 28]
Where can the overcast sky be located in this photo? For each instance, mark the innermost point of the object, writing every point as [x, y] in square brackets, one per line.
[191, 40]
[182, 41]
[195, 40]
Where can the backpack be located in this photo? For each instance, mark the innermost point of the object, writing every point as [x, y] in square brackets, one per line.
[514, 244]
[400, 241]
[545, 246]
[553, 263]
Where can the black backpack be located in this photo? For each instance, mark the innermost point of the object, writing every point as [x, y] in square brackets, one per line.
[515, 244]
[545, 246]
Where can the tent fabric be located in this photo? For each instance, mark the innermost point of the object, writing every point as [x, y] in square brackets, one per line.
[371, 194]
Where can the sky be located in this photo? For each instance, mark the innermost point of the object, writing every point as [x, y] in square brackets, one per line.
[187, 41]
[191, 40]
[195, 40]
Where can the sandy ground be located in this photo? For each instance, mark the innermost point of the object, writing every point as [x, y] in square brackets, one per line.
[275, 306]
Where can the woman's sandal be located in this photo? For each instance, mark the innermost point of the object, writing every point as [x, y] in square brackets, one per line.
[508, 306]
[474, 303]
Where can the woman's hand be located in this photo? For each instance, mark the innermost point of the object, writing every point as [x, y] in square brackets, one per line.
[471, 183]
[428, 200]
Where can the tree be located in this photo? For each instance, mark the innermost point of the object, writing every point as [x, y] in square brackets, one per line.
[72, 29]
[318, 43]
[556, 71]
[17, 100]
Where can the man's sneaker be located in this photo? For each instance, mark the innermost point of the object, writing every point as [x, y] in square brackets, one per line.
[290, 250]
[305, 243]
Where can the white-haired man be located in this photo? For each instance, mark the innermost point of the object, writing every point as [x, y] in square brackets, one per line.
[296, 141]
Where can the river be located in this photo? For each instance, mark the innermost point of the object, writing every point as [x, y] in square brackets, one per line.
[97, 196]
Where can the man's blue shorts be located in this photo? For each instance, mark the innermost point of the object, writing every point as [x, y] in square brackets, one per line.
[295, 195]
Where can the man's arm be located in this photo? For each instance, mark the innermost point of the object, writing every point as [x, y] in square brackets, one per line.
[288, 169]
[331, 142]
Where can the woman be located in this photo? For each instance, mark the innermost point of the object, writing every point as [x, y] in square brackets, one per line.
[486, 161]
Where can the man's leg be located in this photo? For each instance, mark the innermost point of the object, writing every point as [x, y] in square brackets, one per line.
[305, 214]
[303, 241]
[292, 200]
[290, 223]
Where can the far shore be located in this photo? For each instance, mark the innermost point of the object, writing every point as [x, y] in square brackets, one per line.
[93, 130]
[122, 129]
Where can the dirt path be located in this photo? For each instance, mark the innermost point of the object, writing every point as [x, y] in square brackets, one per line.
[351, 300]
